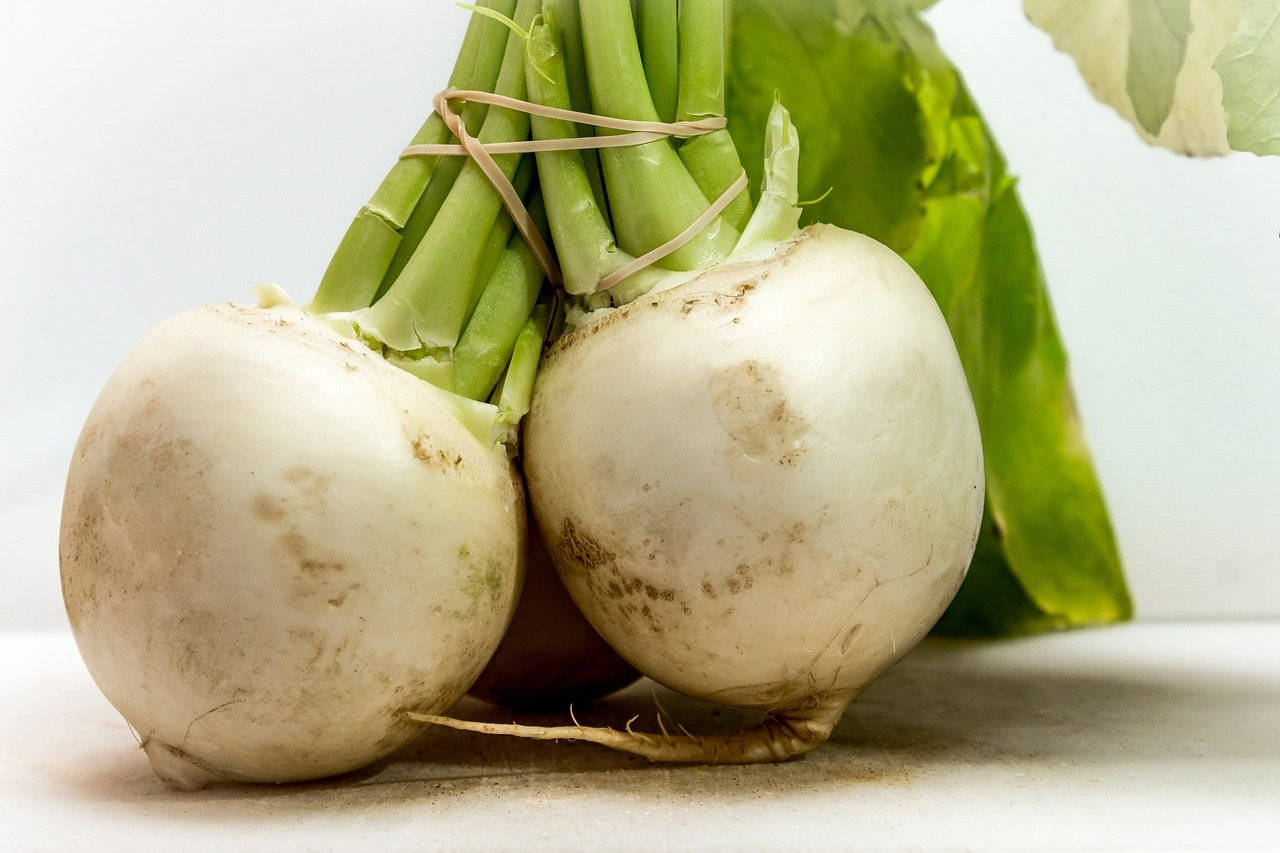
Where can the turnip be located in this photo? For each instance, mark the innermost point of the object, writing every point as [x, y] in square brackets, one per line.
[274, 538]
[550, 657]
[759, 473]
[274, 541]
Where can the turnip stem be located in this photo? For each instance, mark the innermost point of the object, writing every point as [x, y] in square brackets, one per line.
[701, 59]
[354, 275]
[515, 391]
[442, 181]
[486, 345]
[424, 213]
[712, 159]
[567, 20]
[499, 236]
[583, 237]
[660, 46]
[652, 196]
[426, 307]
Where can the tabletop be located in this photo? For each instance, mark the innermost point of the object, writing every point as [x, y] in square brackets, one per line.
[1146, 735]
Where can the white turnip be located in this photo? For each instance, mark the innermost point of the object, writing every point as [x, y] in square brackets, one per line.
[770, 521]
[760, 476]
[274, 541]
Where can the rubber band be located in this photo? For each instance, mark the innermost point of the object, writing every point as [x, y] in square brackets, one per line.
[505, 189]
[631, 132]
[695, 127]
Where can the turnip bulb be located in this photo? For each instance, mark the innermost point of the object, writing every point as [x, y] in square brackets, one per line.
[282, 532]
[771, 521]
[274, 542]
[550, 658]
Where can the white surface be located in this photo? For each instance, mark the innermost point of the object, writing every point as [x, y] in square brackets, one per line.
[157, 155]
[1147, 736]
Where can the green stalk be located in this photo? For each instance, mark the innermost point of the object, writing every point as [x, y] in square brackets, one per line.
[702, 59]
[515, 391]
[442, 181]
[652, 196]
[500, 235]
[660, 46]
[426, 307]
[567, 20]
[712, 159]
[582, 234]
[369, 245]
[487, 343]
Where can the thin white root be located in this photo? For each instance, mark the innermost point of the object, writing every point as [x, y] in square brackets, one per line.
[782, 736]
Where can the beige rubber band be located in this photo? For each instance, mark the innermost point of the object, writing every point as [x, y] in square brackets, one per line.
[533, 146]
[506, 190]
[673, 128]
[631, 133]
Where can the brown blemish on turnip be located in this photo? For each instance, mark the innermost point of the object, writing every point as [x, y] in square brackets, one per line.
[433, 456]
[585, 552]
[731, 299]
[586, 332]
[849, 637]
[294, 549]
[750, 405]
[268, 507]
[312, 487]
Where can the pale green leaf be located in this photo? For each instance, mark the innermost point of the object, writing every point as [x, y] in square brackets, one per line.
[1126, 50]
[1250, 70]
[1157, 50]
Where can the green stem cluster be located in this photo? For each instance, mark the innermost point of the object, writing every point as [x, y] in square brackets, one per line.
[431, 268]
[666, 63]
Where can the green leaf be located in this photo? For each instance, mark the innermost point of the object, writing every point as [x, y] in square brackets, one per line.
[1250, 70]
[885, 119]
[1157, 49]
[797, 50]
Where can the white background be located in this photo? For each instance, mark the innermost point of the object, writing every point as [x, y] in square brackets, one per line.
[157, 155]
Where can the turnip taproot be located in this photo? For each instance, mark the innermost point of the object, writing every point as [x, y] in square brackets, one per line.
[760, 474]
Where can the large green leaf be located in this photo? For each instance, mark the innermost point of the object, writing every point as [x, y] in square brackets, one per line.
[885, 121]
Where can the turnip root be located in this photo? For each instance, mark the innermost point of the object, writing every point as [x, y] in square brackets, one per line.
[550, 657]
[771, 521]
[274, 542]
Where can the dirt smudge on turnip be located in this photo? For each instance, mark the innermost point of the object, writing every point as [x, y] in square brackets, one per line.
[757, 416]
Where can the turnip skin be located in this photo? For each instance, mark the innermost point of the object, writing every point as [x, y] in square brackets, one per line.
[273, 542]
[550, 658]
[763, 486]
